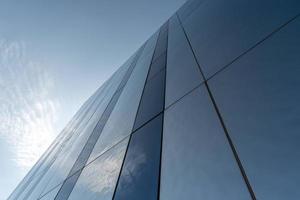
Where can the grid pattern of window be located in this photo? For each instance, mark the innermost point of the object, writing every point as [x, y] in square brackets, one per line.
[207, 108]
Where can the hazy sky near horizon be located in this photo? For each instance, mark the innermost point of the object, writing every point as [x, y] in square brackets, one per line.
[53, 56]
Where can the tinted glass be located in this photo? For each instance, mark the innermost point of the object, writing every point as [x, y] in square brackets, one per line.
[99, 178]
[82, 158]
[151, 42]
[139, 176]
[258, 97]
[94, 133]
[131, 65]
[50, 195]
[197, 162]
[62, 166]
[157, 65]
[67, 187]
[162, 42]
[183, 73]
[152, 100]
[189, 7]
[50, 171]
[125, 110]
[222, 30]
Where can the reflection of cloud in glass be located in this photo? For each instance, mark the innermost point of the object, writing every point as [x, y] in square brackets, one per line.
[98, 180]
[133, 166]
[27, 110]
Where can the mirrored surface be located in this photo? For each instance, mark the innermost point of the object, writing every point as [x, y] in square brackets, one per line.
[162, 41]
[197, 162]
[258, 97]
[98, 179]
[93, 135]
[220, 30]
[64, 163]
[125, 110]
[188, 8]
[183, 73]
[50, 195]
[139, 176]
[157, 65]
[152, 101]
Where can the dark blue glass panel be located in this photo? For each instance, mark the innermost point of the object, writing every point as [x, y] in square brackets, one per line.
[189, 7]
[197, 162]
[162, 42]
[258, 97]
[220, 30]
[183, 73]
[139, 176]
[157, 65]
[152, 102]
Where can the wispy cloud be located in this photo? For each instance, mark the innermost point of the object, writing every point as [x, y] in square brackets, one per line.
[28, 110]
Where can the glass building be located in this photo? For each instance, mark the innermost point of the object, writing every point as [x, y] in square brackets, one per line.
[207, 108]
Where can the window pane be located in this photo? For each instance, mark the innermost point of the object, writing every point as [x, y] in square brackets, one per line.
[98, 179]
[197, 162]
[162, 41]
[139, 176]
[189, 7]
[64, 163]
[183, 73]
[125, 110]
[157, 65]
[152, 102]
[51, 195]
[258, 97]
[222, 30]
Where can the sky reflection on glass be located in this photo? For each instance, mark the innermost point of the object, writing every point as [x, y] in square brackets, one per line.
[98, 179]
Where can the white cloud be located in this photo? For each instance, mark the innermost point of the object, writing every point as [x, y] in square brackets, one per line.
[28, 111]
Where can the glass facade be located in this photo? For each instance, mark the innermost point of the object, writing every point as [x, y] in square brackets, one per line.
[207, 108]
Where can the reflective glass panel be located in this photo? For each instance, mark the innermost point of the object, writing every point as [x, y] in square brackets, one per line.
[157, 65]
[183, 73]
[222, 30]
[162, 42]
[50, 195]
[152, 101]
[197, 162]
[139, 176]
[61, 168]
[125, 110]
[258, 97]
[98, 179]
[189, 7]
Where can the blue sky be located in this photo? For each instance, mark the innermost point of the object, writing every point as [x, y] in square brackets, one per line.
[53, 56]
